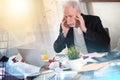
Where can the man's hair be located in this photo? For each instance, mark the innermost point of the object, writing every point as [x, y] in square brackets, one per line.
[74, 4]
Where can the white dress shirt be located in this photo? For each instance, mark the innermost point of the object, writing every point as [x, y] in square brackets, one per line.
[79, 41]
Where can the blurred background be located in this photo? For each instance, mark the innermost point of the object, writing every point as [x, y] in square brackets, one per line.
[35, 23]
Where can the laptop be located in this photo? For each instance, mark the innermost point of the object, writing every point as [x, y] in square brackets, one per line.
[32, 56]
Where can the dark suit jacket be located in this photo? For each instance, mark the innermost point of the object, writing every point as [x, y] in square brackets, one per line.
[96, 38]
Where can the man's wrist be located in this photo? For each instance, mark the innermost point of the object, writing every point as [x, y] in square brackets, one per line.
[64, 33]
[85, 30]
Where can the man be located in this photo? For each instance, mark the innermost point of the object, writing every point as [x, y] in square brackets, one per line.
[92, 35]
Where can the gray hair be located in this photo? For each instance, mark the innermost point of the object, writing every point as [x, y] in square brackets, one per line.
[74, 4]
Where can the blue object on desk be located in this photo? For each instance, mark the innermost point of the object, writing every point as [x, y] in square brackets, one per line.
[110, 56]
[110, 72]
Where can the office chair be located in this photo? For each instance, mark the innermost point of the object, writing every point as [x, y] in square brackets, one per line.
[109, 46]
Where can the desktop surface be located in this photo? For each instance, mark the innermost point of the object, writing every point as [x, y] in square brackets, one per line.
[109, 70]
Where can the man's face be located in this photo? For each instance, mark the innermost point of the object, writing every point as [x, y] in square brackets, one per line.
[70, 15]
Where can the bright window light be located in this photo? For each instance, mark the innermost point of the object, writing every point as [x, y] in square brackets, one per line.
[17, 6]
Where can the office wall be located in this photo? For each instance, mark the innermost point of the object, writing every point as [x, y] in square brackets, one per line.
[109, 13]
[17, 18]
[31, 24]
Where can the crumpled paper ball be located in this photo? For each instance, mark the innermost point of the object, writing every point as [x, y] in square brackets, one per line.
[55, 66]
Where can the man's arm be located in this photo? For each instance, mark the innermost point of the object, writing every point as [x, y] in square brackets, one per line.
[60, 43]
[97, 34]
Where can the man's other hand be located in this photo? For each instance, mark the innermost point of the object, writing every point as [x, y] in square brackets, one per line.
[80, 22]
[65, 27]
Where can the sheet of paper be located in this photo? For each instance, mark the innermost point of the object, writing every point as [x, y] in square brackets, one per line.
[94, 66]
[27, 69]
[95, 54]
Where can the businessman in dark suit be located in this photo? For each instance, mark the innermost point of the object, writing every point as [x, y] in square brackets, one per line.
[95, 37]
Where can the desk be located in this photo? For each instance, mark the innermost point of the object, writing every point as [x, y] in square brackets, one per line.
[88, 72]
[95, 71]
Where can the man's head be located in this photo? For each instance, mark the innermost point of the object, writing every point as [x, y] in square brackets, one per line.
[70, 11]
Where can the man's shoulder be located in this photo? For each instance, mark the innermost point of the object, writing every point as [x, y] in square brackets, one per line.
[90, 16]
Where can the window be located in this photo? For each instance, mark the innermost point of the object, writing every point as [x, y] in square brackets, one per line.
[100, 0]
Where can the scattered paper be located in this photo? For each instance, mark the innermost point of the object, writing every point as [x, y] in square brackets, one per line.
[20, 69]
[95, 54]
